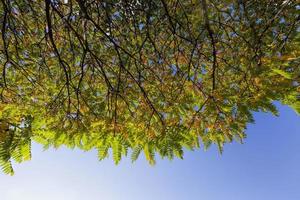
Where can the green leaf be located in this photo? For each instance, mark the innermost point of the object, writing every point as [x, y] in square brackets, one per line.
[136, 152]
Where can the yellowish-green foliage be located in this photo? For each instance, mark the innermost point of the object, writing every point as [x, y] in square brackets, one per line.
[152, 77]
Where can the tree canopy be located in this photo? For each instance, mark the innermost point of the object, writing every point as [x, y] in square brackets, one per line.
[152, 76]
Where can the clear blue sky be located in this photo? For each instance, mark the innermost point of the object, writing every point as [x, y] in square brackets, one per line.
[266, 167]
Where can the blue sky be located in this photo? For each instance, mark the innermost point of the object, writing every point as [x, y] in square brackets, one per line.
[265, 167]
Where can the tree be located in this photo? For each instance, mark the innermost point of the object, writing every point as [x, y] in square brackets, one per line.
[154, 76]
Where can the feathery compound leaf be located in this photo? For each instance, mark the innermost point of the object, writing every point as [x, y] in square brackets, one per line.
[26, 151]
[136, 152]
[103, 152]
[6, 167]
[117, 151]
[149, 153]
[17, 155]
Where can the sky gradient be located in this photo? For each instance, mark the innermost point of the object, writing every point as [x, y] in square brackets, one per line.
[265, 167]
